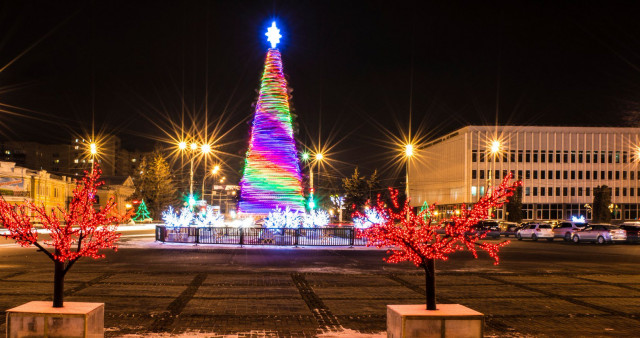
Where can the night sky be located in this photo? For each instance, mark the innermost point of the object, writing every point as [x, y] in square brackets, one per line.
[353, 67]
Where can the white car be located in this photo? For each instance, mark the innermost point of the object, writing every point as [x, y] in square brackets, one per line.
[535, 231]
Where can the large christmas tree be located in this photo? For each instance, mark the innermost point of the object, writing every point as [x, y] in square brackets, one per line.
[271, 175]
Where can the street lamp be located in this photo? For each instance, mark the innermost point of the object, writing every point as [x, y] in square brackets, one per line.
[214, 172]
[193, 146]
[206, 149]
[494, 150]
[220, 199]
[318, 157]
[408, 153]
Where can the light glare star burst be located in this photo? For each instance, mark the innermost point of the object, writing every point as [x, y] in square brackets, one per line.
[273, 35]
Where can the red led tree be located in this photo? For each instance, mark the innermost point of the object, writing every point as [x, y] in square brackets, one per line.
[82, 232]
[415, 237]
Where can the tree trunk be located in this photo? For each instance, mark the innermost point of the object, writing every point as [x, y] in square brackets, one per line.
[430, 283]
[58, 284]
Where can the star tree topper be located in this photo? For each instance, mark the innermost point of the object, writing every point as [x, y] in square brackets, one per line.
[273, 35]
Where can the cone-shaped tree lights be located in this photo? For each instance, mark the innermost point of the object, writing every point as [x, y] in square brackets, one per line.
[271, 176]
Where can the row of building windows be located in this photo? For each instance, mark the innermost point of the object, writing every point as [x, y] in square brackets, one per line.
[559, 174]
[543, 156]
[565, 191]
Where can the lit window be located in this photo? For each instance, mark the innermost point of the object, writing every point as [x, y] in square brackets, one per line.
[7, 152]
[84, 161]
[133, 160]
[76, 147]
[90, 160]
[474, 190]
[75, 161]
[57, 161]
[76, 140]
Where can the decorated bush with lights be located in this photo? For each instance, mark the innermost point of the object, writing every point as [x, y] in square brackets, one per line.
[315, 219]
[173, 219]
[209, 218]
[76, 232]
[271, 176]
[413, 237]
[286, 218]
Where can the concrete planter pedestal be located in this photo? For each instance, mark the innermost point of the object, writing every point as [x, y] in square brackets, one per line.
[449, 320]
[41, 319]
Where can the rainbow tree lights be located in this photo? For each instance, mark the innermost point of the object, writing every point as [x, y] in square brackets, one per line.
[76, 232]
[271, 176]
[413, 238]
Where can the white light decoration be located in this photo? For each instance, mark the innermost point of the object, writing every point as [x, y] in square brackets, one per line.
[315, 219]
[273, 35]
[209, 218]
[283, 219]
[372, 217]
[171, 219]
[579, 219]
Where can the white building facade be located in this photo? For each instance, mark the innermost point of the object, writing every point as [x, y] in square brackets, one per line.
[559, 168]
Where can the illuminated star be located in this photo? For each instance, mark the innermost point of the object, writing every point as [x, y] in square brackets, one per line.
[273, 35]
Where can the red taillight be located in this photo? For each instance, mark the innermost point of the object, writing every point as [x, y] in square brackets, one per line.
[538, 230]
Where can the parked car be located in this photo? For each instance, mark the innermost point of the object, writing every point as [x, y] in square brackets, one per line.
[509, 228]
[491, 228]
[565, 229]
[632, 229]
[535, 231]
[599, 233]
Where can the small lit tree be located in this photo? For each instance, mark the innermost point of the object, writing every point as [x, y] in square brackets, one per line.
[414, 237]
[83, 232]
[142, 213]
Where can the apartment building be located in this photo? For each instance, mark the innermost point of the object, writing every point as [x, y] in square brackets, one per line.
[559, 168]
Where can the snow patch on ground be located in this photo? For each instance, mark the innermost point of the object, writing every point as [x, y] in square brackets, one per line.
[254, 333]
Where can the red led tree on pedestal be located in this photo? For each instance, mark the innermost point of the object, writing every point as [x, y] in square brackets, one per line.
[82, 233]
[413, 237]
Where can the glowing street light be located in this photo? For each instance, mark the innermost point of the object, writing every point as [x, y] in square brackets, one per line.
[205, 148]
[495, 147]
[305, 156]
[319, 157]
[93, 150]
[408, 150]
[215, 170]
[182, 145]
[193, 146]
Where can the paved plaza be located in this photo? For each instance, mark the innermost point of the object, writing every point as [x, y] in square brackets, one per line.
[151, 289]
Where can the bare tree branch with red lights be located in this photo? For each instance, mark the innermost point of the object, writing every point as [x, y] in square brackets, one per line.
[83, 231]
[421, 240]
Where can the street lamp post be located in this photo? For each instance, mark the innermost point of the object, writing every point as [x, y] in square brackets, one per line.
[193, 147]
[206, 149]
[494, 151]
[214, 173]
[220, 200]
[408, 153]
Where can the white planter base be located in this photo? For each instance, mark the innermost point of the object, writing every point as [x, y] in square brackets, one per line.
[449, 320]
[41, 319]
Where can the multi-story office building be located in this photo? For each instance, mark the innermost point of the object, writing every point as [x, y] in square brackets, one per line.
[559, 168]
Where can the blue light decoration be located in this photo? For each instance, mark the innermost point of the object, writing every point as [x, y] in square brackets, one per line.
[579, 219]
[273, 35]
[271, 176]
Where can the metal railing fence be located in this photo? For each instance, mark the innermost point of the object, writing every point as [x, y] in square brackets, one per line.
[345, 236]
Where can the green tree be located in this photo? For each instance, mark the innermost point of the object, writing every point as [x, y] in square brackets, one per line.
[154, 184]
[514, 206]
[601, 201]
[356, 191]
[142, 213]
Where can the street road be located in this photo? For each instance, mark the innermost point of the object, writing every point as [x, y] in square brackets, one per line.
[538, 289]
